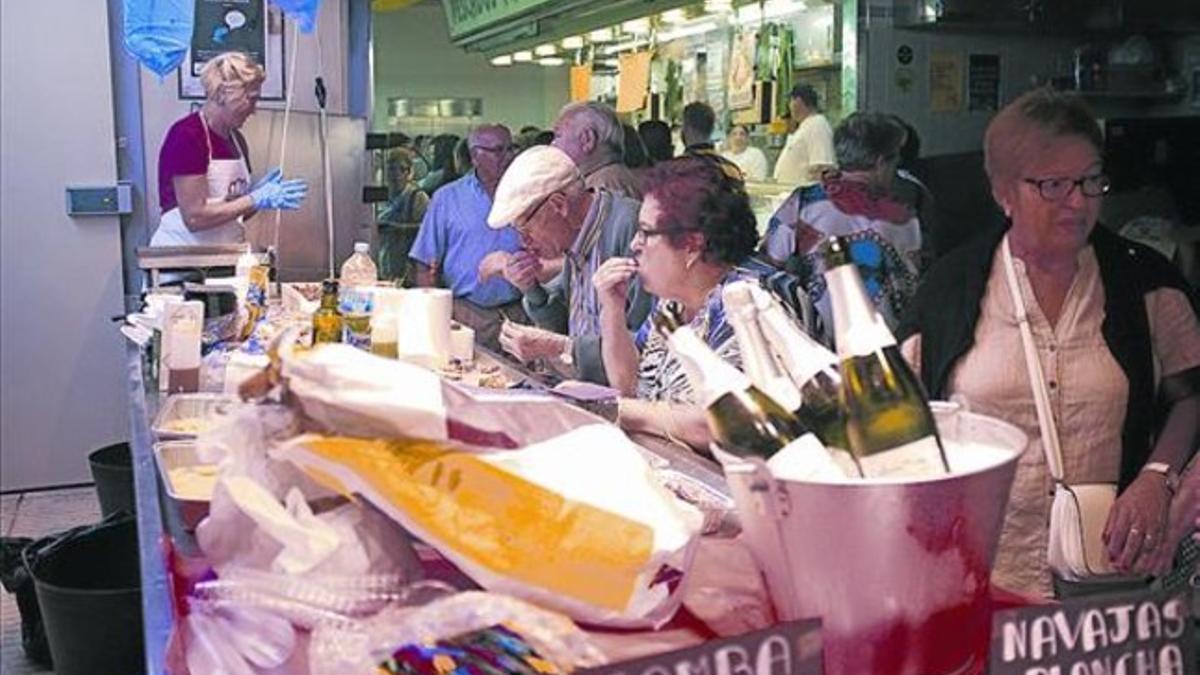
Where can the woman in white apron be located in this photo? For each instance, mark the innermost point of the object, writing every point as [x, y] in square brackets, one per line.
[205, 198]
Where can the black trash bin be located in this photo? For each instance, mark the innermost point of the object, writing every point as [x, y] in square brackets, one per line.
[89, 593]
[112, 469]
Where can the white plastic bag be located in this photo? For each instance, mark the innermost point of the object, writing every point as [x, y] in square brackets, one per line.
[577, 523]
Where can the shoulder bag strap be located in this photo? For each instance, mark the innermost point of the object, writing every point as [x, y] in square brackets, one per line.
[1038, 381]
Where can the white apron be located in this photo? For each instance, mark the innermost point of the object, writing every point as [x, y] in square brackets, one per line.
[226, 178]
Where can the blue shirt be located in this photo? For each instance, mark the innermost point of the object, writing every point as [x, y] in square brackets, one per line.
[454, 237]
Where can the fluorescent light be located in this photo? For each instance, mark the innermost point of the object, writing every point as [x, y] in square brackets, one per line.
[718, 6]
[601, 35]
[545, 50]
[573, 42]
[637, 26]
[523, 56]
[772, 9]
[674, 16]
[505, 60]
[552, 61]
[687, 31]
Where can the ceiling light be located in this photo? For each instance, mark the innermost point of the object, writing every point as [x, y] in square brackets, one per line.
[718, 6]
[552, 61]
[601, 35]
[573, 42]
[688, 31]
[674, 16]
[504, 60]
[637, 26]
[545, 50]
[523, 56]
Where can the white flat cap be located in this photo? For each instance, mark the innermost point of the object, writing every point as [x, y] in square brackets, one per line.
[534, 175]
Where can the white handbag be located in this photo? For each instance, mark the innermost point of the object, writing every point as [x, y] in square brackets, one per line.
[1075, 550]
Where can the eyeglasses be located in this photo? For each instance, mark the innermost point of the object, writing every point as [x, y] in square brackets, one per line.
[1055, 189]
[642, 234]
[511, 147]
[522, 225]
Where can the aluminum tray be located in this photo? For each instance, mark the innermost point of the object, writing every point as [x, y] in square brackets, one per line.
[204, 407]
[172, 455]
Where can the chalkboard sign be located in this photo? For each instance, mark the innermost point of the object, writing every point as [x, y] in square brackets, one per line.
[1119, 634]
[983, 82]
[792, 648]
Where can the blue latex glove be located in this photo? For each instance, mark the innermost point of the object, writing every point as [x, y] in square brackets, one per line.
[273, 174]
[277, 193]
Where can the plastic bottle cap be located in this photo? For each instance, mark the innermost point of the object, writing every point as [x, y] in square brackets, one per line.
[362, 247]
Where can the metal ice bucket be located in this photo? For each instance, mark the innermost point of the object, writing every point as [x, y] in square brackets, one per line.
[896, 570]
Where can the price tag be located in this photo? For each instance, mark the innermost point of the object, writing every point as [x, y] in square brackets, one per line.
[1125, 633]
[792, 648]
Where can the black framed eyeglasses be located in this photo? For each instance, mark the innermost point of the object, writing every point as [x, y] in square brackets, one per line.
[511, 147]
[644, 234]
[1055, 189]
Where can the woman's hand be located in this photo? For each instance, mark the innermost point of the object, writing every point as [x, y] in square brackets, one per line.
[1137, 523]
[611, 282]
[1184, 519]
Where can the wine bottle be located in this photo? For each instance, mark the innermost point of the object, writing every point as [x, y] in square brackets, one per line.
[327, 320]
[758, 361]
[889, 427]
[812, 369]
[743, 420]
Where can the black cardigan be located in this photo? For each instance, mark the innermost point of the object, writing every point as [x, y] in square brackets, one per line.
[946, 310]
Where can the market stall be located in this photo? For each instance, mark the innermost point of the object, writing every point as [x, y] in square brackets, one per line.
[719, 591]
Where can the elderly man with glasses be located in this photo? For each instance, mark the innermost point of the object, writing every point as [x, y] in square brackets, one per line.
[544, 198]
[454, 238]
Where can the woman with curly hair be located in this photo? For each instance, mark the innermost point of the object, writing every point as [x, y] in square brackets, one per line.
[695, 234]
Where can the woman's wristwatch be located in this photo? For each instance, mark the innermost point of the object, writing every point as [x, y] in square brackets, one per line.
[1170, 477]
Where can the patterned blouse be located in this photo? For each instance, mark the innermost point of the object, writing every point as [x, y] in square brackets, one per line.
[661, 376]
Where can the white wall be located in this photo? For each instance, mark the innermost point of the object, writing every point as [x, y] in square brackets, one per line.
[415, 58]
[1021, 58]
[62, 391]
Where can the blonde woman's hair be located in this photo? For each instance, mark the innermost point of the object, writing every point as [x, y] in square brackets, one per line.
[230, 69]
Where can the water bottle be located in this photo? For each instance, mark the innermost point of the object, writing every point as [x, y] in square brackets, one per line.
[359, 269]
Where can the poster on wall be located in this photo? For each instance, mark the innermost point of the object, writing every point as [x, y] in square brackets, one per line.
[983, 82]
[741, 70]
[246, 26]
[945, 81]
[633, 81]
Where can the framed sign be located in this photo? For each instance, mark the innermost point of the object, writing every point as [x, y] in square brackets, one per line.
[236, 25]
[1127, 633]
[791, 648]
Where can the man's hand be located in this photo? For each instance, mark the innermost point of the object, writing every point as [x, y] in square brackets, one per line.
[522, 270]
[611, 282]
[527, 343]
[493, 264]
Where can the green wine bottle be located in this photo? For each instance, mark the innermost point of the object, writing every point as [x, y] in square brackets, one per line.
[743, 420]
[889, 426]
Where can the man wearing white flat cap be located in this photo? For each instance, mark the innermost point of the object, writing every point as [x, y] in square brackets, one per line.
[543, 197]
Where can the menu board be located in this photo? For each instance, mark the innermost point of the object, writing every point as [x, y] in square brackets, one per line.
[1117, 633]
[791, 648]
[983, 82]
[945, 81]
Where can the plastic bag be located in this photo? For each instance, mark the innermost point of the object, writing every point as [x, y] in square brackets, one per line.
[17, 580]
[158, 33]
[361, 646]
[303, 12]
[577, 523]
